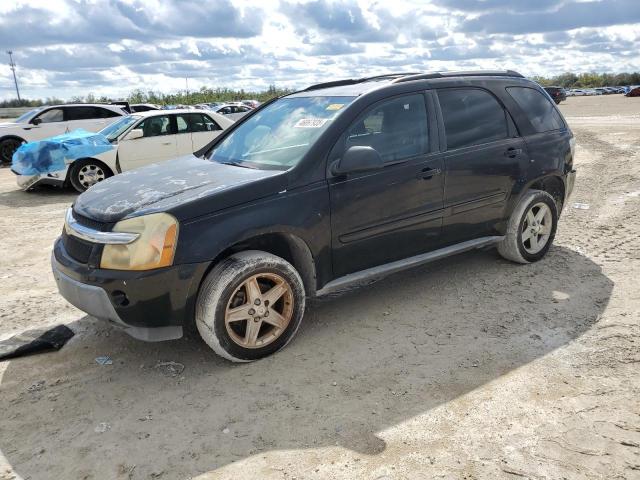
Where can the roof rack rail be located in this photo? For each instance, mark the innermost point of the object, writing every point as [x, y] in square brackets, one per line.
[353, 81]
[471, 73]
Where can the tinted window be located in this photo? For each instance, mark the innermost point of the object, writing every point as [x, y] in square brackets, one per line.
[52, 115]
[397, 128]
[539, 109]
[106, 113]
[83, 113]
[471, 117]
[155, 126]
[196, 122]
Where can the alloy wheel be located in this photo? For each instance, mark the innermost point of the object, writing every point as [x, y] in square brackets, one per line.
[259, 310]
[536, 228]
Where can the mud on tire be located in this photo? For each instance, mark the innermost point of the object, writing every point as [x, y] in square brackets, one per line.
[250, 305]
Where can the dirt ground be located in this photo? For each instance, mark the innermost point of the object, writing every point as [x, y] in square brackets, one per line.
[468, 368]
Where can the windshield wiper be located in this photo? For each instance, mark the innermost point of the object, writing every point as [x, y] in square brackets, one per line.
[238, 164]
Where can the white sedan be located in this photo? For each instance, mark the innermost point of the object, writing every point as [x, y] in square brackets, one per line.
[138, 139]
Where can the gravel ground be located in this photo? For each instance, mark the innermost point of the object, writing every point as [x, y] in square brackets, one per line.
[471, 367]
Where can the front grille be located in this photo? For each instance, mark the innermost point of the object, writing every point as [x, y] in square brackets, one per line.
[91, 223]
[77, 249]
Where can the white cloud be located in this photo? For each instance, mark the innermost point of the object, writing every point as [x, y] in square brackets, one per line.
[111, 47]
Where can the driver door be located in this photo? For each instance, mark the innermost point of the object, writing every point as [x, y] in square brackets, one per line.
[395, 212]
[157, 144]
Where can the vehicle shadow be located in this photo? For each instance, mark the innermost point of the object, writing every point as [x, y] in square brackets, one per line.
[39, 196]
[362, 362]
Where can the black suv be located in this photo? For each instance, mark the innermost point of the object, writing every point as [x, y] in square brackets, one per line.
[557, 94]
[329, 186]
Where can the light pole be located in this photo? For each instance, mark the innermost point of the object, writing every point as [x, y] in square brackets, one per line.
[13, 69]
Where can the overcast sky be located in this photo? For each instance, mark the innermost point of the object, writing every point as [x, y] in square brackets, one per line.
[111, 47]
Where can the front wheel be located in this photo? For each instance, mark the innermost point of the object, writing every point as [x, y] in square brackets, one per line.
[7, 149]
[531, 229]
[86, 173]
[250, 305]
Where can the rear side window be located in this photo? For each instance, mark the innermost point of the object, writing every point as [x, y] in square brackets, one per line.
[471, 117]
[82, 113]
[196, 122]
[106, 113]
[538, 108]
[396, 128]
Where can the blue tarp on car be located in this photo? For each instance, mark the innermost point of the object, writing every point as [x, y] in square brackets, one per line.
[55, 153]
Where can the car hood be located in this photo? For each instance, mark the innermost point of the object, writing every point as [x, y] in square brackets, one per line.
[178, 186]
[10, 124]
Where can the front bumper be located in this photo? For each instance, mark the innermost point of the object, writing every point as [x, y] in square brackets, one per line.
[25, 182]
[150, 305]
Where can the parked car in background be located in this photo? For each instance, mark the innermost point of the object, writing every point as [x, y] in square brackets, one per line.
[251, 103]
[327, 187]
[233, 110]
[138, 139]
[143, 107]
[54, 120]
[557, 94]
[633, 92]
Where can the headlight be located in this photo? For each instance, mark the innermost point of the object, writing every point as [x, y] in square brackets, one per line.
[154, 248]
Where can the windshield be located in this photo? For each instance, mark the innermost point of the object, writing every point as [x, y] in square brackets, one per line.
[114, 130]
[25, 117]
[279, 135]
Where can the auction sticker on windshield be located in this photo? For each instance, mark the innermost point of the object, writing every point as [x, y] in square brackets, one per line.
[311, 122]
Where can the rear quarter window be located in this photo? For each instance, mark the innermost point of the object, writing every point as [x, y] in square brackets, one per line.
[539, 109]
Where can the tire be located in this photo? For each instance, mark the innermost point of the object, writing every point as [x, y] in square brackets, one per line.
[226, 294]
[527, 241]
[8, 148]
[81, 170]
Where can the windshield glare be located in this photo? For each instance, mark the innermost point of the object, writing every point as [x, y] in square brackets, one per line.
[25, 117]
[114, 130]
[279, 135]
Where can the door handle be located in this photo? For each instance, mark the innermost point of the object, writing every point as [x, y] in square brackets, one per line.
[167, 143]
[512, 152]
[428, 173]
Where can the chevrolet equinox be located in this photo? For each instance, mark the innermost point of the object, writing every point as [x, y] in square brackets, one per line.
[330, 186]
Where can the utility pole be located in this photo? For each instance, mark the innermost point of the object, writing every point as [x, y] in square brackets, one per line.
[13, 69]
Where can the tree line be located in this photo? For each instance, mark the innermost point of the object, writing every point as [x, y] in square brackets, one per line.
[211, 95]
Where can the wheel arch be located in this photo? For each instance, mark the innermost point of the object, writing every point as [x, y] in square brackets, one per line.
[12, 137]
[93, 159]
[286, 245]
[553, 185]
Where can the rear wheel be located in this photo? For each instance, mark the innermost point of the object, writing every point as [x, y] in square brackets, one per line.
[531, 229]
[86, 173]
[7, 149]
[250, 306]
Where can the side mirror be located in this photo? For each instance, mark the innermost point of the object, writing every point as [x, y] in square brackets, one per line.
[36, 121]
[358, 159]
[135, 133]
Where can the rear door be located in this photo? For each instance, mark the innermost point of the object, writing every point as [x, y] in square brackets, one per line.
[201, 129]
[395, 212]
[484, 159]
[157, 144]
